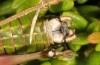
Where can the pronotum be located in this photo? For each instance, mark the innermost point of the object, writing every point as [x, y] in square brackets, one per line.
[14, 32]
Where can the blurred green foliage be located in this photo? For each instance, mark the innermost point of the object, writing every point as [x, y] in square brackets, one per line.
[85, 15]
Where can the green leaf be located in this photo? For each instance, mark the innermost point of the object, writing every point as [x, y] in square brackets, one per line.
[17, 3]
[46, 63]
[81, 1]
[27, 4]
[97, 47]
[89, 10]
[74, 47]
[58, 62]
[64, 5]
[5, 8]
[94, 58]
[70, 61]
[81, 39]
[93, 27]
[79, 22]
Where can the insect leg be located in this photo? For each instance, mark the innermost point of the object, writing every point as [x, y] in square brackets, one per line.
[34, 22]
[17, 59]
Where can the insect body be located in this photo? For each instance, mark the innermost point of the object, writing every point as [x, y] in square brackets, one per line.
[15, 32]
[14, 36]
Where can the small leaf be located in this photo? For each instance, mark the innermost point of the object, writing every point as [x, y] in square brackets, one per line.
[94, 38]
[27, 4]
[97, 47]
[5, 8]
[74, 47]
[17, 3]
[79, 22]
[64, 5]
[58, 62]
[46, 63]
[93, 59]
[81, 1]
[80, 40]
[93, 27]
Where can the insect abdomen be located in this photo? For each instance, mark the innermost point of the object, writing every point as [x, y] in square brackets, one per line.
[14, 37]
